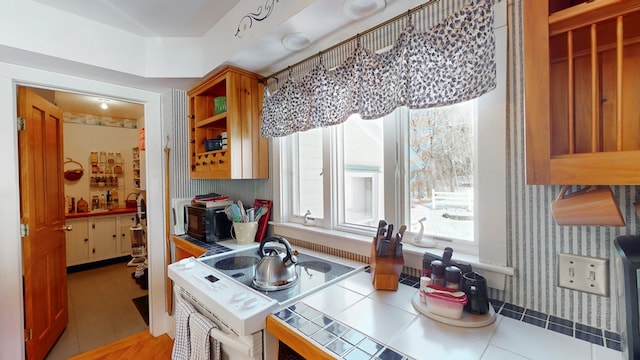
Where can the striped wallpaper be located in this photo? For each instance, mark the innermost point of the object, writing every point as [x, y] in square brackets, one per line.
[534, 239]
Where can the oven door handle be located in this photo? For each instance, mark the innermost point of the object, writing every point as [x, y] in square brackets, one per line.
[227, 340]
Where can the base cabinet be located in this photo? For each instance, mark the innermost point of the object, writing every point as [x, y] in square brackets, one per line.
[103, 238]
[77, 242]
[124, 235]
[98, 238]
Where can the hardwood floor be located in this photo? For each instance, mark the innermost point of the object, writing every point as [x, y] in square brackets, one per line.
[138, 346]
[101, 310]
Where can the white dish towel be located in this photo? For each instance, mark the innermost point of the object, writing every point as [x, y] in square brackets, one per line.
[182, 342]
[201, 340]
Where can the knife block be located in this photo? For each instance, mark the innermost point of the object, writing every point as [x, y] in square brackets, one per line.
[385, 271]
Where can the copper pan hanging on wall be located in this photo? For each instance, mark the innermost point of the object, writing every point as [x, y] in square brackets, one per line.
[73, 174]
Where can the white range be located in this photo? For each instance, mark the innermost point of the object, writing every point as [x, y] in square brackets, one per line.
[220, 287]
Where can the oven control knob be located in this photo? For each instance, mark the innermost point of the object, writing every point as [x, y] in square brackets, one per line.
[250, 302]
[239, 296]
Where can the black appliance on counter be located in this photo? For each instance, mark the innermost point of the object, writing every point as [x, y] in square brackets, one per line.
[627, 268]
[207, 224]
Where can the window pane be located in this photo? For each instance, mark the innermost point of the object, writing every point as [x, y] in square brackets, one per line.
[363, 178]
[441, 170]
[310, 192]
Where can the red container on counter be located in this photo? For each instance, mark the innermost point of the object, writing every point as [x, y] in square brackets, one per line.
[444, 304]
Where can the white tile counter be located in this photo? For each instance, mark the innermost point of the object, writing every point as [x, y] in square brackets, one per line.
[389, 318]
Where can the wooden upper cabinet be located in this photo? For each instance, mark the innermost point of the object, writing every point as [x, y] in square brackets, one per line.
[240, 152]
[582, 92]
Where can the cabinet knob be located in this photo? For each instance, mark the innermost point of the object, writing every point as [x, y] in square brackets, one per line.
[114, 236]
[86, 240]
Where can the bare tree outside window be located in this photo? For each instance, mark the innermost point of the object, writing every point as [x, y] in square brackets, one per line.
[441, 161]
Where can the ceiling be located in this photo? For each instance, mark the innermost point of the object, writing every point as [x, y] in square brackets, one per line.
[150, 18]
[323, 22]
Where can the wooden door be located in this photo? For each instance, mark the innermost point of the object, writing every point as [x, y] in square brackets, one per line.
[42, 210]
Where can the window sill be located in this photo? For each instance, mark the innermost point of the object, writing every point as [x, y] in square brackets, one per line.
[359, 244]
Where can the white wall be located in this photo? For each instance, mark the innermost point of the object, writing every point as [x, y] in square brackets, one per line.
[11, 311]
[80, 140]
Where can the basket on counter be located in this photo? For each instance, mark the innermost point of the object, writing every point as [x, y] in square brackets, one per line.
[73, 174]
[131, 203]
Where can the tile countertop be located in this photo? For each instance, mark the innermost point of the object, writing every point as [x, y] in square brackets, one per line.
[386, 325]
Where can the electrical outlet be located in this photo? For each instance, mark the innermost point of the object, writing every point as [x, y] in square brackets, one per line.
[583, 273]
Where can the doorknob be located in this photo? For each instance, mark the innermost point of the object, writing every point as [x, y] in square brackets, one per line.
[64, 228]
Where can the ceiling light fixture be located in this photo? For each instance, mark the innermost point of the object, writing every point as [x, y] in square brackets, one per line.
[103, 104]
[295, 41]
[357, 9]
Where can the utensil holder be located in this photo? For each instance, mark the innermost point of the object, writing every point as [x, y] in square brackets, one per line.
[385, 271]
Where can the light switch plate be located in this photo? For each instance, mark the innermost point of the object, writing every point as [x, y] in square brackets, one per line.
[583, 273]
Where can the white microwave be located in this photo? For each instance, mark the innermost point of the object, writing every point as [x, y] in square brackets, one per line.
[178, 212]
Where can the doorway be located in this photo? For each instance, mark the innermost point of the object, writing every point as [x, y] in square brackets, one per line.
[106, 128]
[12, 311]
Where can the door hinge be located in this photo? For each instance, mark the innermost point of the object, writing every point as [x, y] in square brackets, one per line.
[28, 335]
[22, 125]
[24, 230]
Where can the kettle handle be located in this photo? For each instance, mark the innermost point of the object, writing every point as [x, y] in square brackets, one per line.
[284, 242]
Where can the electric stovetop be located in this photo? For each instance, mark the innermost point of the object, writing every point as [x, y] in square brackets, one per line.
[313, 272]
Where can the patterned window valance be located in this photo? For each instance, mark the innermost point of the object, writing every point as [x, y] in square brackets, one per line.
[453, 61]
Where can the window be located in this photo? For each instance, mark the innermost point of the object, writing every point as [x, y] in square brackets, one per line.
[362, 164]
[307, 191]
[392, 181]
[420, 151]
[441, 170]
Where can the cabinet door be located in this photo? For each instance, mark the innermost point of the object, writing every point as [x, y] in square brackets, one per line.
[124, 235]
[581, 91]
[77, 241]
[104, 238]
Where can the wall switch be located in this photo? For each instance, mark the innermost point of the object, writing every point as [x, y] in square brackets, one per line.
[583, 273]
